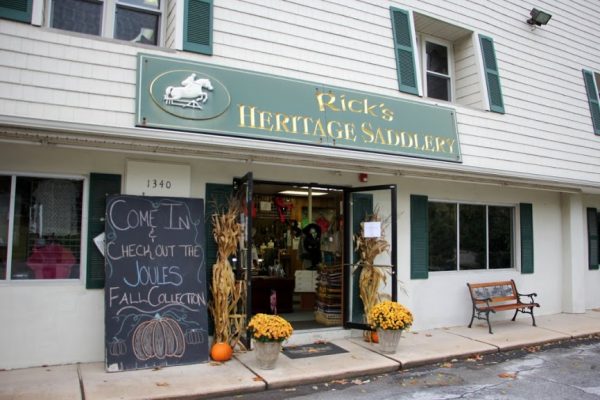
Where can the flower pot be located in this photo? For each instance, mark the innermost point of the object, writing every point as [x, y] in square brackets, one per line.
[388, 339]
[267, 353]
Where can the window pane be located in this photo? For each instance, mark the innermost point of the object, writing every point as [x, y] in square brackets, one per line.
[597, 76]
[136, 26]
[143, 3]
[47, 229]
[438, 87]
[77, 16]
[437, 58]
[442, 237]
[4, 209]
[500, 227]
[472, 236]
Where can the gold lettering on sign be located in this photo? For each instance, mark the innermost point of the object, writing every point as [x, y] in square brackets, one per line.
[330, 101]
[379, 137]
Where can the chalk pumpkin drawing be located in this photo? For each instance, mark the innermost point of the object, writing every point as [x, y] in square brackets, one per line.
[117, 347]
[194, 336]
[158, 338]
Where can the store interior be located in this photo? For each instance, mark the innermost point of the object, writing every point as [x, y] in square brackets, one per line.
[297, 253]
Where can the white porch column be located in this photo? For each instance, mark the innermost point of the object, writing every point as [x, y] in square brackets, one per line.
[574, 256]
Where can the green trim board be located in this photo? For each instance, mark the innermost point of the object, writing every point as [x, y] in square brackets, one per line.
[198, 26]
[492, 75]
[101, 186]
[593, 100]
[526, 219]
[405, 53]
[592, 226]
[419, 237]
[190, 96]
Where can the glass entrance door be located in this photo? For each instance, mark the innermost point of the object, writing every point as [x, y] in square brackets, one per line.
[370, 251]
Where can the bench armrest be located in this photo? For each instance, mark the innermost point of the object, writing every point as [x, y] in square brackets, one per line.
[487, 301]
[530, 295]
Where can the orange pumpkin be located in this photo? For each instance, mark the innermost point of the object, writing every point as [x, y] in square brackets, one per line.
[221, 352]
[374, 337]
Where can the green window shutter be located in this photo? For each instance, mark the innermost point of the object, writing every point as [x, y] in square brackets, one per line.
[492, 76]
[592, 224]
[101, 186]
[405, 53]
[17, 10]
[419, 237]
[592, 93]
[197, 26]
[526, 213]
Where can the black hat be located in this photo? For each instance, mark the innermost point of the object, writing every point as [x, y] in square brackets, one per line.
[308, 229]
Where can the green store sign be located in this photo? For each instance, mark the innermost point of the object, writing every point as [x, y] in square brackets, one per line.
[191, 96]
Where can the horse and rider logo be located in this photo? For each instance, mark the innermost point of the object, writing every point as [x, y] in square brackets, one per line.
[190, 94]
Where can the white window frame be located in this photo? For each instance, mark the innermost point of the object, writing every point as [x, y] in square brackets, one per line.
[83, 236]
[515, 239]
[423, 40]
[109, 8]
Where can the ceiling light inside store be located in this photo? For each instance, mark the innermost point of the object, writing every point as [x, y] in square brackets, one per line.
[301, 193]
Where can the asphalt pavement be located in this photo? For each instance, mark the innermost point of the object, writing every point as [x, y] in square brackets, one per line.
[563, 370]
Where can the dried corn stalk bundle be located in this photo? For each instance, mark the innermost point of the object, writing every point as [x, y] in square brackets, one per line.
[226, 295]
[237, 315]
[368, 249]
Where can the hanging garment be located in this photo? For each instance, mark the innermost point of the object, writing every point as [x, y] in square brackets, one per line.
[52, 261]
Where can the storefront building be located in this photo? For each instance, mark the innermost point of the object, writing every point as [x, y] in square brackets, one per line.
[469, 127]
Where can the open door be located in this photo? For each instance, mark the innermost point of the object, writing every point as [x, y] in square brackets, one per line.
[360, 204]
[242, 190]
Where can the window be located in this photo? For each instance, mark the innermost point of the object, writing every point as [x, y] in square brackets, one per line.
[77, 16]
[437, 61]
[136, 21]
[470, 236]
[40, 231]
[592, 85]
[440, 236]
[457, 64]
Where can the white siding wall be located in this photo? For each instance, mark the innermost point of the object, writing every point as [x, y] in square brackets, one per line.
[546, 131]
[468, 81]
[171, 20]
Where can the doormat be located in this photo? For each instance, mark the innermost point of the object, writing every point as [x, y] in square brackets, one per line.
[312, 350]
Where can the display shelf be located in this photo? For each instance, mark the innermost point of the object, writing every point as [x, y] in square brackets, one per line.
[329, 295]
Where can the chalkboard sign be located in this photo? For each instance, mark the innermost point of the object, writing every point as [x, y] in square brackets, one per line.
[155, 291]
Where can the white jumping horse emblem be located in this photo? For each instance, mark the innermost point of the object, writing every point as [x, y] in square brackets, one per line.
[189, 94]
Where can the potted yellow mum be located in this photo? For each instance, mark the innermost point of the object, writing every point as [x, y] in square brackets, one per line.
[389, 318]
[268, 331]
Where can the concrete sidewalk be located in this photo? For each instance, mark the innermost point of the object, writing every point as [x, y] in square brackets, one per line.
[240, 375]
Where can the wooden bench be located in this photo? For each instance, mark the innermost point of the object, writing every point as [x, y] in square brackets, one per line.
[499, 296]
